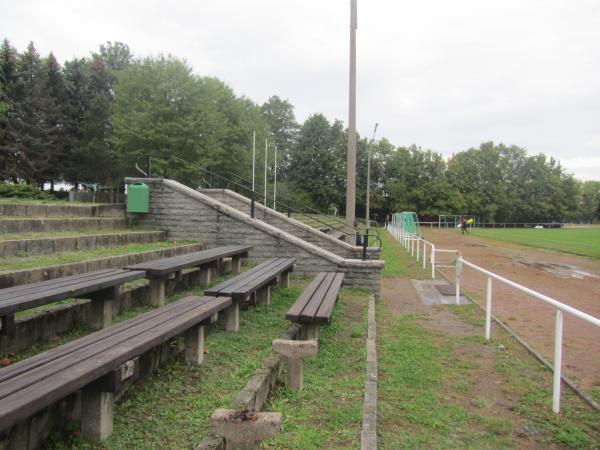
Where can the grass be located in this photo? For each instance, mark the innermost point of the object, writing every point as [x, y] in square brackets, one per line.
[429, 396]
[327, 412]
[577, 241]
[26, 201]
[171, 409]
[16, 263]
[397, 264]
[71, 233]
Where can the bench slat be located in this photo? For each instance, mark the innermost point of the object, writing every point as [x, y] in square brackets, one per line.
[318, 295]
[33, 398]
[296, 309]
[227, 285]
[40, 285]
[166, 266]
[326, 309]
[316, 303]
[17, 302]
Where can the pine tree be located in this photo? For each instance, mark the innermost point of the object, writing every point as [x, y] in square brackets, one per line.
[8, 82]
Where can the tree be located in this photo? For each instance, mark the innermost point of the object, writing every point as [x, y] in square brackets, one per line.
[283, 128]
[8, 118]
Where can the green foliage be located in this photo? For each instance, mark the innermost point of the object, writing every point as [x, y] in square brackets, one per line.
[23, 191]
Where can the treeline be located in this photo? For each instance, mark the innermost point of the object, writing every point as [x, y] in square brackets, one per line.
[87, 122]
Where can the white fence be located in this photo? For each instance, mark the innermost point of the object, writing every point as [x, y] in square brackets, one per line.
[408, 240]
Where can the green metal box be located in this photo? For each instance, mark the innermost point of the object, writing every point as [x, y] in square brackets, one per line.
[138, 198]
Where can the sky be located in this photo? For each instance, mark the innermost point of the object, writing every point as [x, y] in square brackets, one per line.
[444, 75]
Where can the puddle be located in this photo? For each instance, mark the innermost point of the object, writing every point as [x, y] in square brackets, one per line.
[560, 270]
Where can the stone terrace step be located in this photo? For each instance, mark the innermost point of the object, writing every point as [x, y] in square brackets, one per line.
[49, 245]
[25, 225]
[113, 210]
[24, 276]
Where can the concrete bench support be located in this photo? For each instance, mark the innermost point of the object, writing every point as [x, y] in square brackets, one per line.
[102, 307]
[295, 352]
[263, 296]
[204, 275]
[285, 280]
[232, 317]
[8, 325]
[96, 414]
[243, 430]
[194, 345]
[157, 292]
[311, 331]
[236, 264]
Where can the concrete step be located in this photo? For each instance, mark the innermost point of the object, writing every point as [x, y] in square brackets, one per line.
[24, 276]
[26, 225]
[113, 210]
[49, 245]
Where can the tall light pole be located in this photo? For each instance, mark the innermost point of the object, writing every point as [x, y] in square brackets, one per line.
[351, 172]
[369, 172]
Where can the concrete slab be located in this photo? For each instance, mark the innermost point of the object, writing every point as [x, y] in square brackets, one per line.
[431, 292]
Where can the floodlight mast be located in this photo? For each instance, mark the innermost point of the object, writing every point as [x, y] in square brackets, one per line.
[369, 174]
[351, 159]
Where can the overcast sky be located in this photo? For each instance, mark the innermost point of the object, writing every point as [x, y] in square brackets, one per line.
[445, 75]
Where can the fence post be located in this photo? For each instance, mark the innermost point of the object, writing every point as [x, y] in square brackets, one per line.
[488, 309]
[458, 274]
[365, 244]
[252, 207]
[418, 248]
[424, 255]
[432, 261]
[557, 361]
[289, 206]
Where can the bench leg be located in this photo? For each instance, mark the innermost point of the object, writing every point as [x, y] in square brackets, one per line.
[295, 373]
[205, 275]
[96, 414]
[236, 264]
[157, 292]
[232, 317]
[102, 307]
[285, 280]
[8, 325]
[311, 331]
[263, 296]
[194, 345]
[295, 352]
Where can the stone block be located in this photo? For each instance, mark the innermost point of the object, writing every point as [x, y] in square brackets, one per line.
[245, 430]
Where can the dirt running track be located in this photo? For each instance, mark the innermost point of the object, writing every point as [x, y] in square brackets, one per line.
[569, 279]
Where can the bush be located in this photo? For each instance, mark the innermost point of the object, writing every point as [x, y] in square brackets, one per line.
[24, 191]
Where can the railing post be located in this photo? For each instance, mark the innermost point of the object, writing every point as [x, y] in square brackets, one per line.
[412, 245]
[557, 361]
[252, 207]
[365, 244]
[424, 255]
[149, 166]
[289, 206]
[488, 309]
[458, 274]
[418, 248]
[432, 261]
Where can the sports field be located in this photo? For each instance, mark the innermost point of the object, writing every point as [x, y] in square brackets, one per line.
[577, 241]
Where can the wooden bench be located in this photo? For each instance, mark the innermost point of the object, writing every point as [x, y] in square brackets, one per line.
[256, 283]
[161, 270]
[315, 305]
[100, 363]
[101, 286]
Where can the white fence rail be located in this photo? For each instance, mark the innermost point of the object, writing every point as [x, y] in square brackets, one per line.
[408, 240]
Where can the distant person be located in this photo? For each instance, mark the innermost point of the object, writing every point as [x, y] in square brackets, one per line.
[463, 225]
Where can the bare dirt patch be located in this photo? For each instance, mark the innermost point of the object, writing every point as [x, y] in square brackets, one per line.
[567, 278]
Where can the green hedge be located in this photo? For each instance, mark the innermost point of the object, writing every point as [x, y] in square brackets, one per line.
[24, 191]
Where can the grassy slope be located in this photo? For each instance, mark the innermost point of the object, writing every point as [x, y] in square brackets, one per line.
[578, 241]
[58, 234]
[16, 263]
[327, 412]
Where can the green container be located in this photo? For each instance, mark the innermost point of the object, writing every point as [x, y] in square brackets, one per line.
[138, 198]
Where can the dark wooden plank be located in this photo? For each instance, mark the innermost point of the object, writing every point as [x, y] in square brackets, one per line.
[323, 315]
[21, 379]
[41, 285]
[296, 309]
[229, 286]
[247, 285]
[315, 302]
[18, 302]
[166, 266]
[33, 398]
[90, 339]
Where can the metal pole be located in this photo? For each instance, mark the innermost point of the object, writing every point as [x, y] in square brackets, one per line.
[275, 182]
[369, 175]
[266, 146]
[432, 261]
[458, 273]
[418, 248]
[351, 160]
[557, 361]
[488, 309]
[424, 255]
[253, 157]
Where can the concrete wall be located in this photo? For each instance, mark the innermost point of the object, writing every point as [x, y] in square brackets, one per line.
[28, 225]
[187, 214]
[116, 210]
[290, 225]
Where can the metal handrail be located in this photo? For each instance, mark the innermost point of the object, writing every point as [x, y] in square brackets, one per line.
[253, 193]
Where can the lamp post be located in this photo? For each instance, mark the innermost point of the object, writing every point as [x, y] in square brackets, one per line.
[351, 160]
[369, 173]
